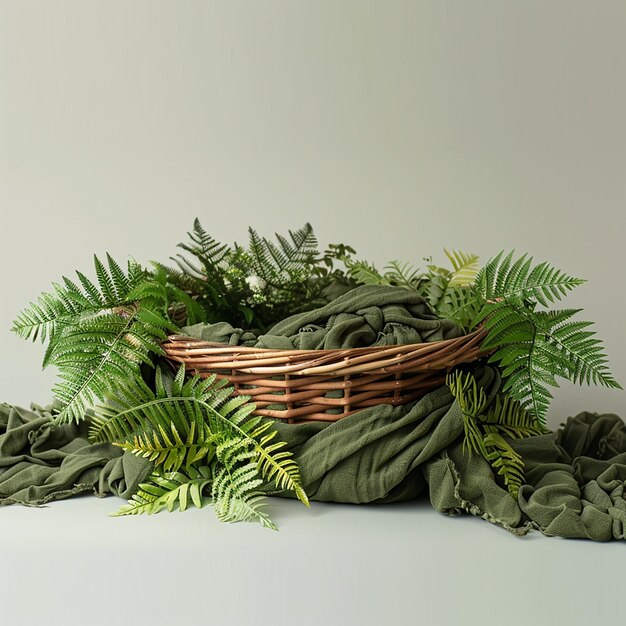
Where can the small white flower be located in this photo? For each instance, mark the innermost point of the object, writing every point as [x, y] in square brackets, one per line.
[256, 283]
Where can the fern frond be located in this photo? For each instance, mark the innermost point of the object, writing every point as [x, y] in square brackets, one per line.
[459, 304]
[93, 355]
[97, 331]
[167, 426]
[533, 348]
[204, 246]
[68, 301]
[578, 351]
[402, 274]
[505, 460]
[235, 487]
[365, 273]
[169, 490]
[464, 268]
[205, 276]
[503, 278]
[507, 416]
[277, 465]
[486, 424]
[183, 425]
[275, 263]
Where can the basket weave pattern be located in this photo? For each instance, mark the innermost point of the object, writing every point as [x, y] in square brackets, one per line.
[326, 384]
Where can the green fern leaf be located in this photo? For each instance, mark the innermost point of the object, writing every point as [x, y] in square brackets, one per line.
[534, 347]
[97, 333]
[501, 278]
[235, 487]
[185, 424]
[486, 424]
[465, 268]
[365, 273]
[169, 490]
[276, 263]
[402, 274]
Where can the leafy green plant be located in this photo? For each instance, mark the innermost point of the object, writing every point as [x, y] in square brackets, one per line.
[532, 347]
[447, 290]
[258, 285]
[99, 333]
[487, 425]
[195, 424]
[169, 490]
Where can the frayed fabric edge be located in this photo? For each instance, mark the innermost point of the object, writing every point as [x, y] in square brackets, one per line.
[473, 509]
[57, 495]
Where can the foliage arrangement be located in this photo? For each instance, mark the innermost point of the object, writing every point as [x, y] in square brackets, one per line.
[531, 346]
[98, 334]
[257, 285]
[105, 336]
[199, 436]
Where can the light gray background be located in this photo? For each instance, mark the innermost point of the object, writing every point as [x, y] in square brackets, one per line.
[397, 127]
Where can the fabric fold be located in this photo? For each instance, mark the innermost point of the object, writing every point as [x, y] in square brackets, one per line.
[575, 478]
[368, 315]
[40, 461]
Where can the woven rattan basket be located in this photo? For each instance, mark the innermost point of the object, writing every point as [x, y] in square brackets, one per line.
[307, 385]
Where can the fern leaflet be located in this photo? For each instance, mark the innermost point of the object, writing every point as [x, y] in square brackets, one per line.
[169, 490]
[487, 424]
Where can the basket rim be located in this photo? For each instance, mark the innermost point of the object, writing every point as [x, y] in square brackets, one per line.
[193, 343]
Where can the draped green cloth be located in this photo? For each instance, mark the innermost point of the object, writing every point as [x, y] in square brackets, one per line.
[369, 315]
[40, 462]
[575, 478]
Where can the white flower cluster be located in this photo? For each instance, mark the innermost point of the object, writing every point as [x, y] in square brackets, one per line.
[256, 283]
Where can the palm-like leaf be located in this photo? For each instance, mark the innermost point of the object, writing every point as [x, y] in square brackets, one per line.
[465, 268]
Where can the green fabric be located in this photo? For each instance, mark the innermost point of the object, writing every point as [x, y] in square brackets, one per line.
[369, 315]
[40, 462]
[575, 477]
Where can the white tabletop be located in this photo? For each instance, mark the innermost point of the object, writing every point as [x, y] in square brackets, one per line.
[70, 563]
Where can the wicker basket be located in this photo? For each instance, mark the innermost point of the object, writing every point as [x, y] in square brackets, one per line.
[307, 385]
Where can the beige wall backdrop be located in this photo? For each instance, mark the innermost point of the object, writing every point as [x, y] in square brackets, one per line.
[398, 127]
